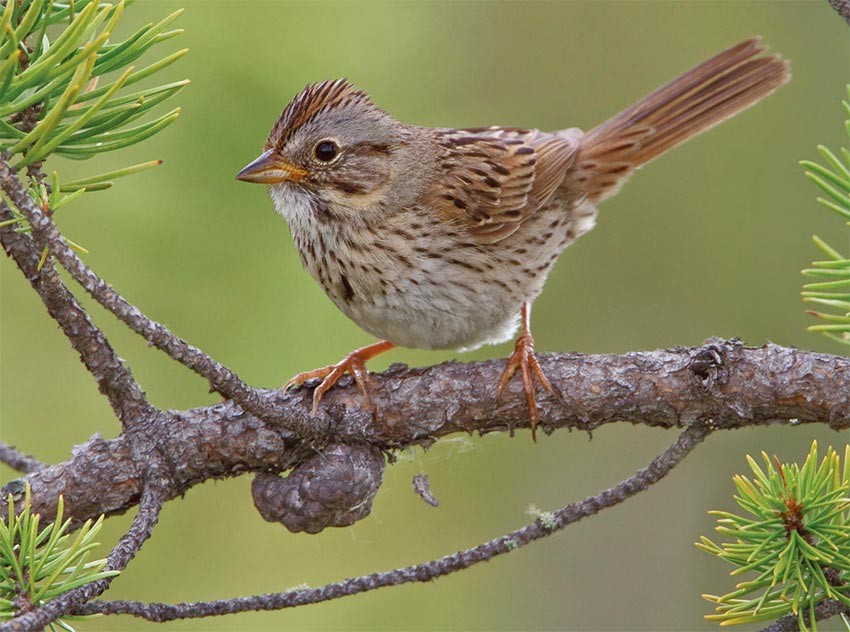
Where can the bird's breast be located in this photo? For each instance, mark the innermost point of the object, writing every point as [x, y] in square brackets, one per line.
[418, 282]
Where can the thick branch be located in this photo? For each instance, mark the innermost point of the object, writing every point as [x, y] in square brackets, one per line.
[544, 526]
[113, 377]
[724, 384]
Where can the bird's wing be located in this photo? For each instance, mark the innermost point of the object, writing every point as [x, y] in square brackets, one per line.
[495, 178]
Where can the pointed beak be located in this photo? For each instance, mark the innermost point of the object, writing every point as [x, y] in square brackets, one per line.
[270, 168]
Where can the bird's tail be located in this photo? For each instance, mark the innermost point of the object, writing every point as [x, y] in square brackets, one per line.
[698, 100]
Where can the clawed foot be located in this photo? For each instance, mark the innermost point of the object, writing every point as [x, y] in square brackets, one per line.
[354, 363]
[523, 359]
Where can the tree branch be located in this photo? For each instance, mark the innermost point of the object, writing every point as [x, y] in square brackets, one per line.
[220, 377]
[19, 461]
[723, 384]
[843, 9]
[824, 610]
[149, 507]
[544, 526]
[114, 379]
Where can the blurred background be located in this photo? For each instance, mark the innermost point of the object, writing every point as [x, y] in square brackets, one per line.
[708, 241]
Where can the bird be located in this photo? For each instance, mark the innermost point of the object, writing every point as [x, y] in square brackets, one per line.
[442, 238]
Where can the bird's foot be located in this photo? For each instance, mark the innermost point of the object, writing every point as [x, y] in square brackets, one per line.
[524, 360]
[354, 363]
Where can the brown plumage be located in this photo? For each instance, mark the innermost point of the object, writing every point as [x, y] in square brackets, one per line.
[497, 177]
[311, 102]
[440, 238]
[695, 102]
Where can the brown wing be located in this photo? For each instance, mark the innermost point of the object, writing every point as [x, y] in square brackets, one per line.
[495, 178]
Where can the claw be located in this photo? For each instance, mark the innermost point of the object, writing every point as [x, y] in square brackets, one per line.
[354, 363]
[524, 360]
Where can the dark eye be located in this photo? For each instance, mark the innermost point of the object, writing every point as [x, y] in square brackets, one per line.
[326, 150]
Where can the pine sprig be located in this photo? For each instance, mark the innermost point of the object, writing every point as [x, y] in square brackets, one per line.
[63, 91]
[796, 540]
[77, 118]
[37, 565]
[833, 291]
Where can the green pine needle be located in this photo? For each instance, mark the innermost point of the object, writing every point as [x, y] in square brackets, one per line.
[39, 564]
[63, 90]
[834, 181]
[796, 540]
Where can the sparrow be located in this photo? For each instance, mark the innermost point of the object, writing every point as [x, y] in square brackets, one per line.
[441, 238]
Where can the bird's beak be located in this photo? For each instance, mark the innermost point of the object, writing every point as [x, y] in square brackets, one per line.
[270, 168]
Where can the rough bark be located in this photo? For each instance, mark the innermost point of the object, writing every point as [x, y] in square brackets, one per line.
[723, 384]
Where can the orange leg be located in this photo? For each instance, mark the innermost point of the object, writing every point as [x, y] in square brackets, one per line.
[354, 363]
[523, 359]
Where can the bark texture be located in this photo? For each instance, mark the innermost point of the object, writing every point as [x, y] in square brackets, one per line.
[722, 385]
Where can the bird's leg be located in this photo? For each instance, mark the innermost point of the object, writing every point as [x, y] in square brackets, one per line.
[354, 363]
[523, 359]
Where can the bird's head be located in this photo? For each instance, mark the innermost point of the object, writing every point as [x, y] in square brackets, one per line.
[333, 144]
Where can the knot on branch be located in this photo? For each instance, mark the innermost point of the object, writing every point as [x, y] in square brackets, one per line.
[710, 363]
[331, 489]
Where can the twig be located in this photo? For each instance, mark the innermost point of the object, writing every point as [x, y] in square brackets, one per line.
[824, 610]
[545, 525]
[220, 377]
[113, 377]
[19, 461]
[126, 549]
[843, 9]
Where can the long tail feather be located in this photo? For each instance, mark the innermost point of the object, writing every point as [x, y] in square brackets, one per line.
[698, 100]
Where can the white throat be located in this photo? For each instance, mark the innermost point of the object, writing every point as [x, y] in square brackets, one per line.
[293, 205]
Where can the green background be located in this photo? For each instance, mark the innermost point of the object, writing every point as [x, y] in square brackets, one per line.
[705, 242]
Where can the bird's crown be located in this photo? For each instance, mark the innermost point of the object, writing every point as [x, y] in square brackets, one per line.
[312, 101]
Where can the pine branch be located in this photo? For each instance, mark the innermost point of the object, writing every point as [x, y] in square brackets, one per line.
[19, 461]
[544, 526]
[221, 379]
[824, 610]
[843, 9]
[113, 377]
[150, 505]
[723, 384]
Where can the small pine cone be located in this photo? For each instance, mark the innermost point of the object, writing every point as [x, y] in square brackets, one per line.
[332, 489]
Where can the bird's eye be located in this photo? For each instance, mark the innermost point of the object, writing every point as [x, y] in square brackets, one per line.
[326, 150]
